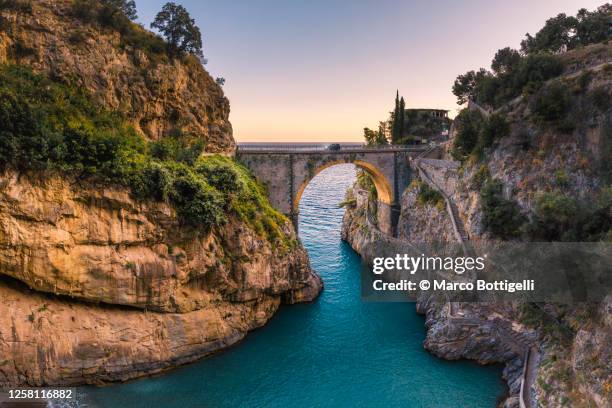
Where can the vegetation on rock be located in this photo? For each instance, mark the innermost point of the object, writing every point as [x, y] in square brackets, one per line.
[513, 72]
[118, 15]
[568, 32]
[501, 216]
[429, 196]
[476, 132]
[559, 217]
[46, 126]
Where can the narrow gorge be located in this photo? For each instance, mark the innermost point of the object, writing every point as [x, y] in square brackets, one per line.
[146, 257]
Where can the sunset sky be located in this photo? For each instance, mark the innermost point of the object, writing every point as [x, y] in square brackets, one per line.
[311, 70]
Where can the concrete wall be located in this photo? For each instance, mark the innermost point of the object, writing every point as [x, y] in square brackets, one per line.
[286, 175]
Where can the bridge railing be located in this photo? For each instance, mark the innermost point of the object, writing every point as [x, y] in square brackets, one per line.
[302, 147]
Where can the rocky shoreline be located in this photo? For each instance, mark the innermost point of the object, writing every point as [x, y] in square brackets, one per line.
[97, 287]
[447, 337]
[496, 333]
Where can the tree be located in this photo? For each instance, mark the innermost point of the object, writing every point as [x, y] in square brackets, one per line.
[127, 7]
[402, 120]
[494, 128]
[505, 61]
[566, 32]
[465, 85]
[595, 26]
[469, 125]
[557, 35]
[382, 133]
[373, 137]
[179, 29]
[500, 216]
[395, 127]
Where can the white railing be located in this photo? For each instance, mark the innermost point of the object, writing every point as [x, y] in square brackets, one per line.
[524, 386]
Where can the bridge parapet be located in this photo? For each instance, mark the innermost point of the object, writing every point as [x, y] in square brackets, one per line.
[318, 148]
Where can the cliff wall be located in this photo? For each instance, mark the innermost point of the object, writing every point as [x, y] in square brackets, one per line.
[96, 285]
[129, 72]
[546, 170]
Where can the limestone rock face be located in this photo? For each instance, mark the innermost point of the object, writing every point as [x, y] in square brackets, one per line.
[101, 246]
[188, 293]
[422, 223]
[95, 286]
[49, 341]
[531, 159]
[160, 95]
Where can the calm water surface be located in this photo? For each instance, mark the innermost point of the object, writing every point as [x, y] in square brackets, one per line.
[337, 351]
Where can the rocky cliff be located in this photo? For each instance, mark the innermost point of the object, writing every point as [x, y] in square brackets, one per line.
[549, 179]
[553, 170]
[126, 69]
[453, 331]
[96, 285]
[102, 288]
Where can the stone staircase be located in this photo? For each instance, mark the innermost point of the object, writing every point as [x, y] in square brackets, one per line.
[458, 227]
[459, 224]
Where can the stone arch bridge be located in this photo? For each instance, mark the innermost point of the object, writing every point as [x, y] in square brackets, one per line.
[286, 170]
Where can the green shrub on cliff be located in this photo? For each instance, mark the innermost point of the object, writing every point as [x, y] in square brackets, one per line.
[493, 89]
[364, 180]
[177, 147]
[244, 196]
[514, 73]
[198, 203]
[45, 125]
[558, 217]
[220, 174]
[475, 133]
[565, 32]
[469, 126]
[480, 177]
[118, 15]
[554, 215]
[494, 128]
[551, 103]
[429, 196]
[501, 217]
[48, 127]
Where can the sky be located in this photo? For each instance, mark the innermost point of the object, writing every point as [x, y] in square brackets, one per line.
[321, 71]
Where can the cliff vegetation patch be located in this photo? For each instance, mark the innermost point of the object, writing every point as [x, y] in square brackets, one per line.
[49, 127]
[516, 72]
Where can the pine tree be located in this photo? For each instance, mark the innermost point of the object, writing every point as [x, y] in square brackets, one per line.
[402, 118]
[395, 127]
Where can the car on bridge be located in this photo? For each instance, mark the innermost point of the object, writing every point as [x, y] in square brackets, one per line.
[333, 147]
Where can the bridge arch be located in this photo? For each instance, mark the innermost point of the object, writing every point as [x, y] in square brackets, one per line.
[382, 184]
[287, 169]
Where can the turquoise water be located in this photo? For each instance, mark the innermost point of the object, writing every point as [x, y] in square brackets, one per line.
[337, 351]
